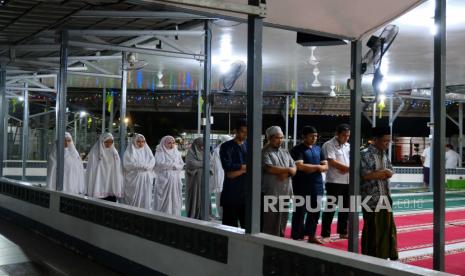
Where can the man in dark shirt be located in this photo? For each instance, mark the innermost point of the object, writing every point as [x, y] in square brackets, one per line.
[233, 159]
[308, 183]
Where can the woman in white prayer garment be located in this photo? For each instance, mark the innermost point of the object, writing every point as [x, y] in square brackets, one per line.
[104, 175]
[73, 169]
[218, 175]
[168, 184]
[138, 162]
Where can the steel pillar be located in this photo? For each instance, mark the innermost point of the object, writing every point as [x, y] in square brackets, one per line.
[25, 132]
[207, 67]
[122, 109]
[438, 144]
[61, 109]
[355, 133]
[254, 122]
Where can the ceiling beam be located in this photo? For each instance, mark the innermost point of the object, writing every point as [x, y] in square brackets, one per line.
[37, 83]
[32, 47]
[30, 89]
[35, 62]
[173, 44]
[31, 77]
[80, 58]
[118, 48]
[94, 75]
[96, 67]
[136, 14]
[116, 33]
[136, 40]
[212, 4]
[93, 38]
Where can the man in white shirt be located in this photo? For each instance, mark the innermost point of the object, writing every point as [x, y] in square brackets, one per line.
[452, 157]
[337, 152]
[426, 160]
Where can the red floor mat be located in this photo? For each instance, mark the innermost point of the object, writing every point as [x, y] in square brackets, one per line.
[415, 232]
[415, 239]
[403, 222]
[454, 262]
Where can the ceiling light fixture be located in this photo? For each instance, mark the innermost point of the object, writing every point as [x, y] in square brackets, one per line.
[78, 68]
[313, 61]
[383, 86]
[225, 53]
[316, 82]
[332, 93]
[382, 98]
[160, 82]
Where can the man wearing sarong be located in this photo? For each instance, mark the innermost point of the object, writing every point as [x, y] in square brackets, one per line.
[379, 236]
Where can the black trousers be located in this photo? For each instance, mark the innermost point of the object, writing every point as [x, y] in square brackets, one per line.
[234, 215]
[299, 229]
[110, 198]
[336, 190]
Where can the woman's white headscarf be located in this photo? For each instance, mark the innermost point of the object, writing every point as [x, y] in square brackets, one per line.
[104, 175]
[73, 169]
[136, 156]
[217, 167]
[224, 138]
[138, 178]
[163, 155]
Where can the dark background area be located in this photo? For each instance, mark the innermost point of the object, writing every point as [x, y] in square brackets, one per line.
[156, 125]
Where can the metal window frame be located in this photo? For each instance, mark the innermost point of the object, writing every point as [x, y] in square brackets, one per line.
[438, 144]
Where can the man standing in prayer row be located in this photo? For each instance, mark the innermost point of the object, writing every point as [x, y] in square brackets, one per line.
[308, 183]
[379, 236]
[337, 152]
[426, 161]
[233, 159]
[278, 168]
[452, 157]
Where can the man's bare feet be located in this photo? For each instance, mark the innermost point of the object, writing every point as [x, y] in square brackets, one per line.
[325, 239]
[314, 240]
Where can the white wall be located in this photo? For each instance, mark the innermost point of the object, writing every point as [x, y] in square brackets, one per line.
[245, 252]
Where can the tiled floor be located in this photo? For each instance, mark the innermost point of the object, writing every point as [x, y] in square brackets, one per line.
[27, 269]
[24, 253]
